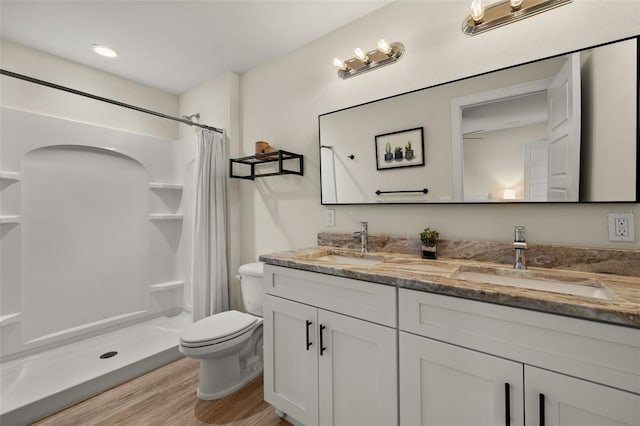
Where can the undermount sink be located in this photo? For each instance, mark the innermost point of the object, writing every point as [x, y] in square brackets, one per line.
[349, 260]
[536, 281]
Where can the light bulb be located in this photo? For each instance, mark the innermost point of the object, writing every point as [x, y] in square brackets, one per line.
[515, 4]
[105, 51]
[360, 54]
[477, 11]
[384, 46]
[340, 64]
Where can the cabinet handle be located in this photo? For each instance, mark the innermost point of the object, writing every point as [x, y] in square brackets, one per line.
[308, 342]
[507, 404]
[322, 348]
[541, 402]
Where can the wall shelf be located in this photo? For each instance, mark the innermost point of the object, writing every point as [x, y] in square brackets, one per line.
[169, 285]
[160, 185]
[15, 176]
[278, 157]
[166, 216]
[11, 219]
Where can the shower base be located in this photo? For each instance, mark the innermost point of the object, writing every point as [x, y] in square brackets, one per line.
[40, 384]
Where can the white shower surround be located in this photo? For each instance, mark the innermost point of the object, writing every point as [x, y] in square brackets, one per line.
[94, 231]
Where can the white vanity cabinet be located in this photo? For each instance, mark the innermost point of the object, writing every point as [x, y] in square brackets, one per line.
[471, 363]
[330, 348]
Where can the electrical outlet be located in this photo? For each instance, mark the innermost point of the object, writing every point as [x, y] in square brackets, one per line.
[330, 218]
[621, 227]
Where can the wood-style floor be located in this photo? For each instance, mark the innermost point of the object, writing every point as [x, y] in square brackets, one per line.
[167, 396]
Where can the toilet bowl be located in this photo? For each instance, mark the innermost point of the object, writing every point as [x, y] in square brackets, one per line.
[229, 344]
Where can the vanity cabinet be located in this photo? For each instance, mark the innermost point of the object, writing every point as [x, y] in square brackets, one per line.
[442, 384]
[330, 348]
[471, 363]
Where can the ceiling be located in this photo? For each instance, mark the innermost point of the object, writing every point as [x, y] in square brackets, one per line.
[175, 45]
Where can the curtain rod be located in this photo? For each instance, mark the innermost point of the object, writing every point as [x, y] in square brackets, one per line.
[107, 100]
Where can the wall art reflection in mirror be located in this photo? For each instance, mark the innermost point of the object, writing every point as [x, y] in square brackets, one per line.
[404, 148]
[560, 129]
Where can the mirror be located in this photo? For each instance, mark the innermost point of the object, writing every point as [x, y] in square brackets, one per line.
[561, 129]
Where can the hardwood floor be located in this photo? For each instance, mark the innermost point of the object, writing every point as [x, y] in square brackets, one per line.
[167, 396]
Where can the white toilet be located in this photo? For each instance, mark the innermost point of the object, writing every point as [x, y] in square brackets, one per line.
[229, 344]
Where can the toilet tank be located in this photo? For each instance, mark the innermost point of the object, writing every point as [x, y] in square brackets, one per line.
[251, 286]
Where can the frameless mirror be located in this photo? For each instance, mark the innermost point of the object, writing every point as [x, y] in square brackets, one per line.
[561, 129]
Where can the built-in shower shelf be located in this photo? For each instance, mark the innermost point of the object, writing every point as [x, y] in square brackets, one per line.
[15, 176]
[169, 285]
[10, 219]
[166, 216]
[9, 318]
[160, 185]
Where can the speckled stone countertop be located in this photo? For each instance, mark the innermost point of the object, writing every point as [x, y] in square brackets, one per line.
[439, 276]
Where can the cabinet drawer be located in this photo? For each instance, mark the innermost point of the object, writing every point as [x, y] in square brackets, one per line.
[603, 353]
[360, 299]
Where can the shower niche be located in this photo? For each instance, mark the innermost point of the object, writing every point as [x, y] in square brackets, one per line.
[91, 228]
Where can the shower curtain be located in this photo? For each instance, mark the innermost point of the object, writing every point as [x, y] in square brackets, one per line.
[209, 275]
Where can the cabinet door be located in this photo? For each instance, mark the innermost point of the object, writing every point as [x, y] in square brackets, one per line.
[290, 365]
[358, 372]
[446, 385]
[568, 401]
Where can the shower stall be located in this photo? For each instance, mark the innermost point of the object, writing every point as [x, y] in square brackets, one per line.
[94, 257]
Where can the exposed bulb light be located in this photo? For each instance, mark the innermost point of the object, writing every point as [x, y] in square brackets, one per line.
[340, 64]
[103, 50]
[515, 4]
[477, 11]
[384, 46]
[361, 55]
[484, 17]
[386, 53]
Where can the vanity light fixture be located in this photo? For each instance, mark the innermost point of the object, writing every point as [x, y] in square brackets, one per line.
[363, 61]
[504, 12]
[103, 50]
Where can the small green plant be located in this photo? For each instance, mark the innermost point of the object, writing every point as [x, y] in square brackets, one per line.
[398, 149]
[408, 145]
[429, 237]
[387, 148]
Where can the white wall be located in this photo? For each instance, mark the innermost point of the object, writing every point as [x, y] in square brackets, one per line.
[26, 96]
[280, 102]
[605, 182]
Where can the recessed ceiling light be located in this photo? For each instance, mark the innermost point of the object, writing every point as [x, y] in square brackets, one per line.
[103, 50]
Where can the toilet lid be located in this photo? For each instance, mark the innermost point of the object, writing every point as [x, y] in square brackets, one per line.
[216, 328]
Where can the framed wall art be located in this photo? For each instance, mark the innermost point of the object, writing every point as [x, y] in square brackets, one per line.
[404, 148]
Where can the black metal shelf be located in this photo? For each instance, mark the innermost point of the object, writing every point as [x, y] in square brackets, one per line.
[272, 157]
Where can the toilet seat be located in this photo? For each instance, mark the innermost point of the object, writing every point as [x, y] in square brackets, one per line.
[217, 329]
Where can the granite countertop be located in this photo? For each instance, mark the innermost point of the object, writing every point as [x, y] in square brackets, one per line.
[439, 276]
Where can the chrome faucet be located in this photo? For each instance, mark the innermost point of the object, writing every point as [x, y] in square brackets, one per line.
[364, 237]
[520, 245]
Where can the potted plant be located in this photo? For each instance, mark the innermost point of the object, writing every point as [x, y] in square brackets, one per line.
[408, 151]
[398, 153]
[429, 239]
[388, 156]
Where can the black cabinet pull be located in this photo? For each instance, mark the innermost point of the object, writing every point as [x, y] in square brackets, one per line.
[308, 342]
[322, 348]
[541, 409]
[507, 404]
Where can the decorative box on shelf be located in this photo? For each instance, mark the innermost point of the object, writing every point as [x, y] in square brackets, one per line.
[277, 158]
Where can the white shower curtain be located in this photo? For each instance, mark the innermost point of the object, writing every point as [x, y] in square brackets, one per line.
[209, 276]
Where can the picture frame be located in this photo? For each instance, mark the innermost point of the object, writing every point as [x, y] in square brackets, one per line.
[404, 148]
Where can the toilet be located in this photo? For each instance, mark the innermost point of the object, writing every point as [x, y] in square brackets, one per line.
[229, 344]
